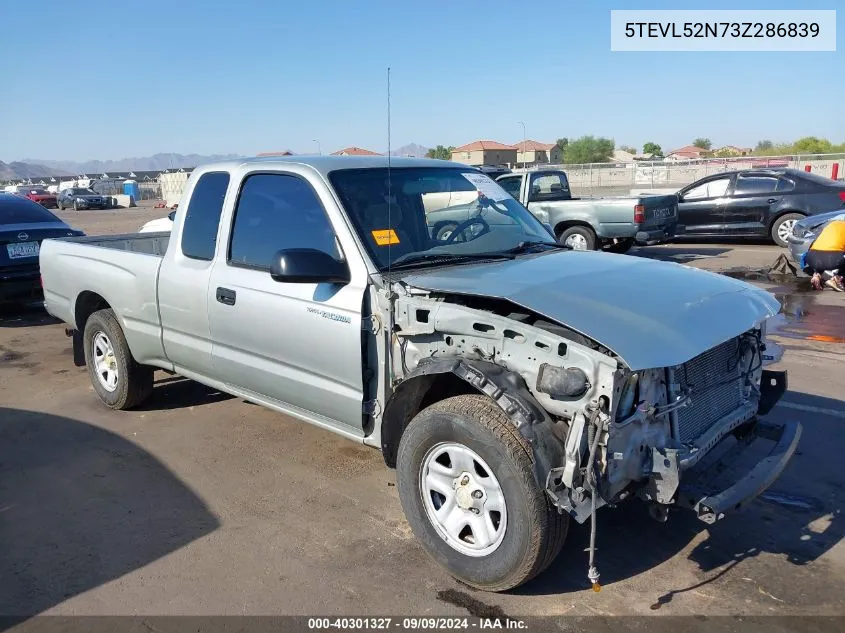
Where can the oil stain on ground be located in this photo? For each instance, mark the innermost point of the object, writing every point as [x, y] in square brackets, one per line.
[802, 317]
[474, 606]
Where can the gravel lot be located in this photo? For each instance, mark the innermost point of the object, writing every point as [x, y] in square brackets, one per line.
[204, 504]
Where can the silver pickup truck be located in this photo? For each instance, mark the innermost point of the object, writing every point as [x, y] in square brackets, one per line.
[612, 224]
[511, 391]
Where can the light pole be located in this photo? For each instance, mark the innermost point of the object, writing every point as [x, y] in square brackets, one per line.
[523, 143]
[319, 151]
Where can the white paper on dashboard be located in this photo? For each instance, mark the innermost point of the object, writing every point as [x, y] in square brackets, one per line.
[487, 186]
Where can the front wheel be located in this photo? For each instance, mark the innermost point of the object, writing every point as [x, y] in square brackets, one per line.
[444, 231]
[782, 228]
[118, 379]
[467, 487]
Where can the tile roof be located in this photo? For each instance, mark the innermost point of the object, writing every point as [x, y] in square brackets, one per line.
[482, 145]
[533, 146]
[354, 151]
[689, 149]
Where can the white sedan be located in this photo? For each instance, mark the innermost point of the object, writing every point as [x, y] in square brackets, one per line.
[159, 225]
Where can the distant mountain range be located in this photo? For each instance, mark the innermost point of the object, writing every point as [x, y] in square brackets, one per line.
[155, 162]
[20, 169]
[41, 167]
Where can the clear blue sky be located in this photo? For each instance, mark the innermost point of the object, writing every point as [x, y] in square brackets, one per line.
[103, 79]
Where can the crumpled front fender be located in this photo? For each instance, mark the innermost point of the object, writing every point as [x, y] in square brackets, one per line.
[506, 388]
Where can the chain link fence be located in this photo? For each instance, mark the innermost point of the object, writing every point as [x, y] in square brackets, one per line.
[607, 179]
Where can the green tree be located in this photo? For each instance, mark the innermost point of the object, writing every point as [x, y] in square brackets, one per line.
[812, 145]
[703, 143]
[562, 143]
[588, 149]
[764, 146]
[441, 152]
[652, 148]
[628, 148]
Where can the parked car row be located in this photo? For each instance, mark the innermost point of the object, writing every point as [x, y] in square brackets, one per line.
[76, 198]
[759, 203]
[514, 384]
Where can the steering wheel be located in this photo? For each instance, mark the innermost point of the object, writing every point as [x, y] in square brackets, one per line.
[463, 226]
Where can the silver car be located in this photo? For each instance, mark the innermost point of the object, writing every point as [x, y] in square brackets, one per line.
[807, 230]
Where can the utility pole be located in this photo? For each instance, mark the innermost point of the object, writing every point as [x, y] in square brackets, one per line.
[523, 143]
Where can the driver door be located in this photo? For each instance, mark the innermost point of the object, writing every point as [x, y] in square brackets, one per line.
[296, 345]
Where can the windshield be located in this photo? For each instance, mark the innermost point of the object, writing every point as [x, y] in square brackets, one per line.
[433, 213]
[82, 192]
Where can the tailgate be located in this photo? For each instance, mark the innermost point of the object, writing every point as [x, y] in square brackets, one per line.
[660, 211]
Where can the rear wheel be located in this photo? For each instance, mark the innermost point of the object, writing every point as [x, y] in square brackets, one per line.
[782, 228]
[465, 479]
[119, 380]
[579, 238]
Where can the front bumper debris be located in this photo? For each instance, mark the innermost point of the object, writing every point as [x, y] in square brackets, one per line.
[710, 506]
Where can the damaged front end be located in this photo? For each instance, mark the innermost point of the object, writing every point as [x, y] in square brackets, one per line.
[600, 432]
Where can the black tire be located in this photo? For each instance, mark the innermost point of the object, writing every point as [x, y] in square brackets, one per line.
[535, 531]
[778, 223]
[585, 232]
[442, 231]
[134, 381]
[621, 247]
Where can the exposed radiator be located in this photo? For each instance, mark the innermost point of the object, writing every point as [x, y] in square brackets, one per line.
[714, 382]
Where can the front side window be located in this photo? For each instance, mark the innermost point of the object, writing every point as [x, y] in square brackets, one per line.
[277, 212]
[717, 188]
[696, 193]
[202, 218]
[397, 223]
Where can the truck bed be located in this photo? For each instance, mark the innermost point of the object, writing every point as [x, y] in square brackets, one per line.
[147, 243]
[120, 270]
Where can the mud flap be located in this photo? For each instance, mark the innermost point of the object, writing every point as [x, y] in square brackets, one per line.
[78, 349]
[711, 506]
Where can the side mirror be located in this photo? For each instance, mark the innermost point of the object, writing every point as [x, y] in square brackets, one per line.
[171, 216]
[308, 266]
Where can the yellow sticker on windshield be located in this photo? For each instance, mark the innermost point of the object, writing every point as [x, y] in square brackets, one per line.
[385, 237]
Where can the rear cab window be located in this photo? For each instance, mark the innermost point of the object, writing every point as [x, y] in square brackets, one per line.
[548, 187]
[202, 218]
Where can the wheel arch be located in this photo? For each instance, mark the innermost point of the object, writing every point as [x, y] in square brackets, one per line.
[561, 226]
[87, 303]
[782, 212]
[434, 380]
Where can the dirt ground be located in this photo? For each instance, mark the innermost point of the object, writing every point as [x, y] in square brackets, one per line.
[201, 503]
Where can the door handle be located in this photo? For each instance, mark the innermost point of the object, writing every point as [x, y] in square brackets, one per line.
[772, 200]
[226, 296]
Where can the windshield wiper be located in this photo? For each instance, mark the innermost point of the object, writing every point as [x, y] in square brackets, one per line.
[417, 258]
[524, 247]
